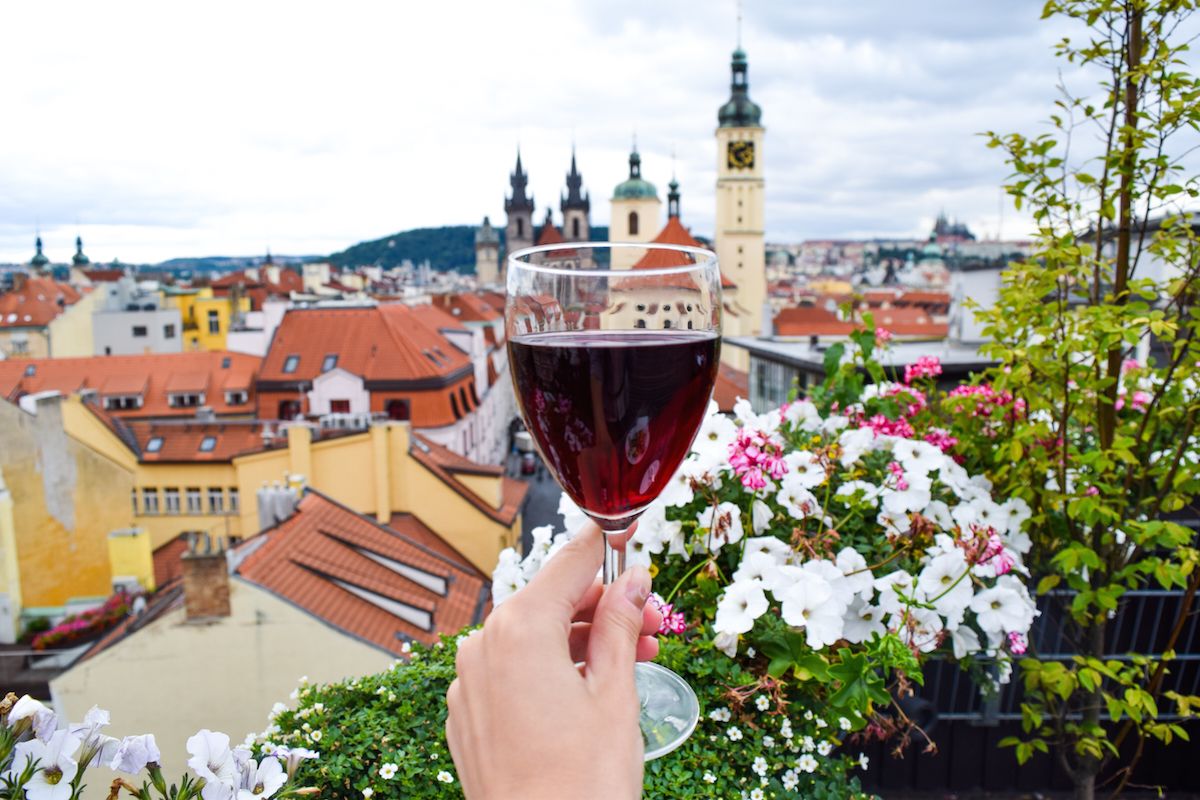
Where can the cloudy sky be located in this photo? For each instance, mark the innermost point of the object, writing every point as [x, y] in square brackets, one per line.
[163, 129]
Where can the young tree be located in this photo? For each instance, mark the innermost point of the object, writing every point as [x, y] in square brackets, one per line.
[1096, 334]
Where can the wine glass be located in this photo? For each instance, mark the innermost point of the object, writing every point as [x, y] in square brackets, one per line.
[614, 349]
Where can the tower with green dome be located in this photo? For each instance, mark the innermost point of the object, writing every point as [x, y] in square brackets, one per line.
[39, 262]
[636, 212]
[739, 230]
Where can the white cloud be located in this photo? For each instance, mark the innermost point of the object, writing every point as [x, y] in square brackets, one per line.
[159, 130]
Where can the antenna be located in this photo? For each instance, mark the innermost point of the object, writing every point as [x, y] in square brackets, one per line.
[672, 162]
[739, 24]
[635, 140]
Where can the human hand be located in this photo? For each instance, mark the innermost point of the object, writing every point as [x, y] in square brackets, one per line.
[544, 705]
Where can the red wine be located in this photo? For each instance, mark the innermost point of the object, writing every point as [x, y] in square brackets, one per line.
[614, 412]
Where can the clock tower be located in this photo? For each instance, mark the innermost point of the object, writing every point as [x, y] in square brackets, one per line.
[739, 237]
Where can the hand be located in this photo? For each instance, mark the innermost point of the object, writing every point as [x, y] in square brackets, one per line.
[544, 705]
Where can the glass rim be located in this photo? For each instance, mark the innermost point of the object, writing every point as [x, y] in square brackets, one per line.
[704, 259]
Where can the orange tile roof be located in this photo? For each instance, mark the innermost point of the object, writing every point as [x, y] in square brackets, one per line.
[674, 233]
[181, 441]
[389, 342]
[168, 560]
[150, 375]
[811, 321]
[361, 577]
[731, 384]
[549, 235]
[36, 303]
[104, 275]
[445, 464]
[469, 307]
[494, 299]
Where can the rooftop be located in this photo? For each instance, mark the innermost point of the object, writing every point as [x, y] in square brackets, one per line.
[35, 302]
[378, 583]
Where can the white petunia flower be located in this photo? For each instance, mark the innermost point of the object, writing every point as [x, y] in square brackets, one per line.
[261, 780]
[807, 763]
[905, 501]
[945, 581]
[754, 567]
[573, 517]
[806, 468]
[918, 627]
[779, 550]
[742, 603]
[134, 753]
[1000, 609]
[56, 765]
[855, 444]
[862, 622]
[808, 604]
[724, 525]
[797, 500]
[726, 643]
[964, 640]
[894, 589]
[211, 757]
[857, 574]
[445, 777]
[760, 516]
[858, 492]
[803, 415]
[917, 456]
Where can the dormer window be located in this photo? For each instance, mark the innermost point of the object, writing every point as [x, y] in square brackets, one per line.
[237, 398]
[290, 364]
[185, 399]
[30, 370]
[123, 402]
[154, 445]
[329, 363]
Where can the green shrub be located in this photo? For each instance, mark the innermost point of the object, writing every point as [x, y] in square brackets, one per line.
[398, 717]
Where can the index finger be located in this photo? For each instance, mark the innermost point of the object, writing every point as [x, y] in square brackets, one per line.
[566, 578]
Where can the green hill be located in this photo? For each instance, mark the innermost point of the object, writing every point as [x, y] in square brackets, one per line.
[451, 247]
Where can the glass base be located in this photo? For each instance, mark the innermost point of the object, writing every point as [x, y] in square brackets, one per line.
[670, 710]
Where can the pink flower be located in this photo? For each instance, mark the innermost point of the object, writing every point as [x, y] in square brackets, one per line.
[1016, 643]
[1140, 400]
[941, 439]
[1130, 364]
[1092, 491]
[882, 426]
[672, 621]
[898, 473]
[925, 367]
[754, 455]
[882, 336]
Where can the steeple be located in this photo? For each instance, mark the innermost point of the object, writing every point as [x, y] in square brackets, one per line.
[740, 111]
[39, 260]
[518, 180]
[673, 199]
[79, 259]
[574, 198]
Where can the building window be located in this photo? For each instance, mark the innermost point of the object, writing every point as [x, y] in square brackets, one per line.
[185, 400]
[216, 500]
[133, 501]
[462, 395]
[123, 402]
[454, 406]
[149, 501]
[641, 323]
[194, 503]
[19, 347]
[208, 444]
[291, 363]
[520, 227]
[233, 498]
[139, 331]
[397, 410]
[575, 227]
[329, 363]
[30, 370]
[169, 331]
[236, 398]
[633, 223]
[171, 500]
[214, 321]
[339, 406]
[289, 409]
[666, 323]
[225, 362]
[154, 445]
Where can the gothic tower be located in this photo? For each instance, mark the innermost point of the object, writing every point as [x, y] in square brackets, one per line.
[576, 207]
[739, 237]
[519, 208]
[487, 254]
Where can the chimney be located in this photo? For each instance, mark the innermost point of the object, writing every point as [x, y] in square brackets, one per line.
[205, 583]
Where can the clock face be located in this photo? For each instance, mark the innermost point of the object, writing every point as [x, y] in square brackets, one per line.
[740, 155]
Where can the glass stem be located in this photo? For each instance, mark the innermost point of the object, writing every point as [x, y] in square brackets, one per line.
[614, 557]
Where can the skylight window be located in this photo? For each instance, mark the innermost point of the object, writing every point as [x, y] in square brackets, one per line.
[30, 370]
[329, 363]
[208, 444]
[226, 362]
[154, 445]
[290, 365]
[410, 614]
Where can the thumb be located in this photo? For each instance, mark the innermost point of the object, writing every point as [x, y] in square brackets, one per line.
[616, 626]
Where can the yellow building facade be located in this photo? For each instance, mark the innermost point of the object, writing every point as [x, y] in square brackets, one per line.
[63, 500]
[206, 318]
[374, 472]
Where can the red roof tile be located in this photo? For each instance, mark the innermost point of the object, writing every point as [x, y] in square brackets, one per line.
[36, 303]
[199, 441]
[811, 321]
[549, 235]
[390, 342]
[731, 384]
[150, 375]
[376, 583]
[168, 560]
[468, 307]
[104, 275]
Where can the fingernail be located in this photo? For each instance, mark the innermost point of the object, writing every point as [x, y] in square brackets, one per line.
[638, 587]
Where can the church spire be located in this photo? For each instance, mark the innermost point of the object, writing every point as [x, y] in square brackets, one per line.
[575, 198]
[740, 111]
[518, 180]
[673, 199]
[79, 259]
[39, 260]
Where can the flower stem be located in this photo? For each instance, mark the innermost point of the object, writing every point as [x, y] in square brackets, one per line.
[687, 575]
